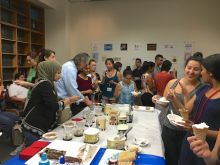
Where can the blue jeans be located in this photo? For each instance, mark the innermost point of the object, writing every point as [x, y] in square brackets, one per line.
[29, 137]
[7, 122]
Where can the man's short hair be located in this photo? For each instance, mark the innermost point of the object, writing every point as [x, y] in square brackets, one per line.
[80, 57]
[17, 75]
[158, 56]
[138, 59]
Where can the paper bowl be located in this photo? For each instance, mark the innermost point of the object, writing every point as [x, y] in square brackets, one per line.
[91, 135]
[162, 101]
[175, 120]
[141, 142]
[133, 148]
[135, 93]
[49, 136]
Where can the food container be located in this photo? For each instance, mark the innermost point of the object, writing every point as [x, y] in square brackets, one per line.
[122, 119]
[113, 161]
[101, 123]
[68, 130]
[98, 110]
[85, 112]
[79, 129]
[122, 128]
[107, 109]
[50, 135]
[89, 119]
[113, 118]
[116, 142]
[91, 135]
[130, 117]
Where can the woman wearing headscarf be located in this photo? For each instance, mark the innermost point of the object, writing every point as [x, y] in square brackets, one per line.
[41, 110]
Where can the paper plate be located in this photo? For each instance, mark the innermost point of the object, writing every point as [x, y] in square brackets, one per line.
[129, 148]
[50, 135]
[141, 142]
[162, 101]
[175, 120]
[135, 93]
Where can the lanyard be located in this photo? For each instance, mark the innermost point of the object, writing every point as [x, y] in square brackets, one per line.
[203, 100]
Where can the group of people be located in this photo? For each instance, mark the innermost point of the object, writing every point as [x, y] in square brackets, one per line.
[197, 92]
[52, 87]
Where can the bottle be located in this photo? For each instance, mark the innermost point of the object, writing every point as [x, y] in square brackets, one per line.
[44, 160]
[62, 160]
[113, 160]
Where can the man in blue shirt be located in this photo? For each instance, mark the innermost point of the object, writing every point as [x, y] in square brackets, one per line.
[67, 85]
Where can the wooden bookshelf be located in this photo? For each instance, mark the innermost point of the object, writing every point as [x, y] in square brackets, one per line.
[22, 31]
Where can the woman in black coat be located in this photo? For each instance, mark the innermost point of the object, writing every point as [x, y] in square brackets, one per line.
[41, 110]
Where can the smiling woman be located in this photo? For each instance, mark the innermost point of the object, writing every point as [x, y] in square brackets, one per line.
[174, 92]
[205, 107]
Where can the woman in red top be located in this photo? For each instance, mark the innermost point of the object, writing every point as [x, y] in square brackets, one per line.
[84, 83]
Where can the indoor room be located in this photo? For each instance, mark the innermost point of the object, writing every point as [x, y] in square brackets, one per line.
[109, 82]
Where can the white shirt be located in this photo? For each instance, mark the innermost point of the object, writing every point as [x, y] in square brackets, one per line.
[18, 91]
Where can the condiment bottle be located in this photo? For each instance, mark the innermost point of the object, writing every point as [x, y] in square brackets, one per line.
[44, 160]
[62, 160]
[113, 160]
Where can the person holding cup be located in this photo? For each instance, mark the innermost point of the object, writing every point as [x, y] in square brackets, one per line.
[205, 108]
[172, 136]
[124, 89]
[201, 149]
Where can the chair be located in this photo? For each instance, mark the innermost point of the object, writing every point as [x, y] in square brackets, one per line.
[12, 105]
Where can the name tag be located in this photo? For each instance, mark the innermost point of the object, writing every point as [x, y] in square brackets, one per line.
[109, 89]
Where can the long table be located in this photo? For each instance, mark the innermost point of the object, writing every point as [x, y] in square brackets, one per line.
[145, 125]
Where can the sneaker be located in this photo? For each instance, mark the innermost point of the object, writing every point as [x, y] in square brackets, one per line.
[17, 150]
[0, 133]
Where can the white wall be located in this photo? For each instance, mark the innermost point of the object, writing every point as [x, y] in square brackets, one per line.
[57, 30]
[72, 28]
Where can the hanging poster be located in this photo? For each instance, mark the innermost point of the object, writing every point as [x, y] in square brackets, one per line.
[108, 47]
[124, 47]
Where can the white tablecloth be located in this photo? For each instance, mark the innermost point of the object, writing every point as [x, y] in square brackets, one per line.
[145, 125]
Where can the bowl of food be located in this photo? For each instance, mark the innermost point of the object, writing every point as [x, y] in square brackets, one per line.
[122, 128]
[49, 136]
[175, 120]
[162, 101]
[134, 93]
[91, 135]
[116, 142]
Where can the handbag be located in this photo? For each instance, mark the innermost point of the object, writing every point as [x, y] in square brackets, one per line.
[17, 135]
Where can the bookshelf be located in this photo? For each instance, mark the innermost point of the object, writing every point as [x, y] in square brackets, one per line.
[22, 31]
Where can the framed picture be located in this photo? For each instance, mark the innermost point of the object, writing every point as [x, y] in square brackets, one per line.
[151, 47]
[108, 47]
[124, 47]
